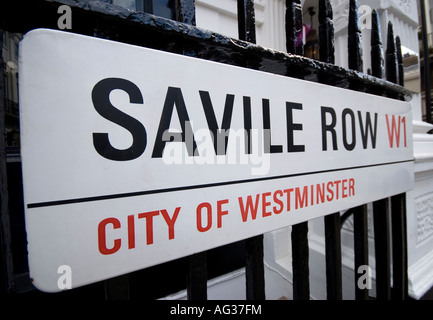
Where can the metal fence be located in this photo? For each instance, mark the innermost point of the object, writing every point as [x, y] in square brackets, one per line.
[103, 19]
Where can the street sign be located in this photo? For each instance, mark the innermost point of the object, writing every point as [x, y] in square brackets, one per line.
[133, 157]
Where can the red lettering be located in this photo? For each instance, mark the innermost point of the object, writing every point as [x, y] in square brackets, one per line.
[395, 131]
[301, 201]
[131, 232]
[249, 207]
[312, 195]
[170, 221]
[337, 183]
[288, 192]
[278, 201]
[220, 212]
[102, 239]
[265, 204]
[149, 224]
[330, 195]
[351, 187]
[344, 188]
[320, 193]
[199, 217]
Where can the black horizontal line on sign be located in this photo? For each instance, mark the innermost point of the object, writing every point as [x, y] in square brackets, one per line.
[201, 186]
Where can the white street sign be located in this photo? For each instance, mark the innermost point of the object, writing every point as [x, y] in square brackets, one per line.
[133, 157]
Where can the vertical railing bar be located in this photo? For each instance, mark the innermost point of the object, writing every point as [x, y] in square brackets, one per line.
[402, 201]
[400, 64]
[254, 264]
[334, 285]
[254, 269]
[334, 282]
[399, 248]
[326, 32]
[391, 56]
[377, 59]
[117, 288]
[6, 265]
[360, 213]
[382, 249]
[294, 27]
[361, 248]
[398, 202]
[185, 11]
[426, 57]
[147, 6]
[197, 277]
[355, 38]
[300, 262]
[246, 21]
[300, 250]
[381, 207]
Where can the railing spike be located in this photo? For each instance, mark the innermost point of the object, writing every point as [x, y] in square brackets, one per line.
[326, 32]
[399, 61]
[355, 38]
[246, 21]
[391, 56]
[294, 27]
[185, 11]
[377, 59]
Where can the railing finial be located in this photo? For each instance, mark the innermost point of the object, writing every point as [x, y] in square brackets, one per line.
[377, 60]
[391, 56]
[294, 27]
[246, 21]
[399, 61]
[185, 11]
[355, 38]
[326, 32]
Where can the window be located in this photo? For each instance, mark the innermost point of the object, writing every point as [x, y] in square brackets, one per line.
[162, 8]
